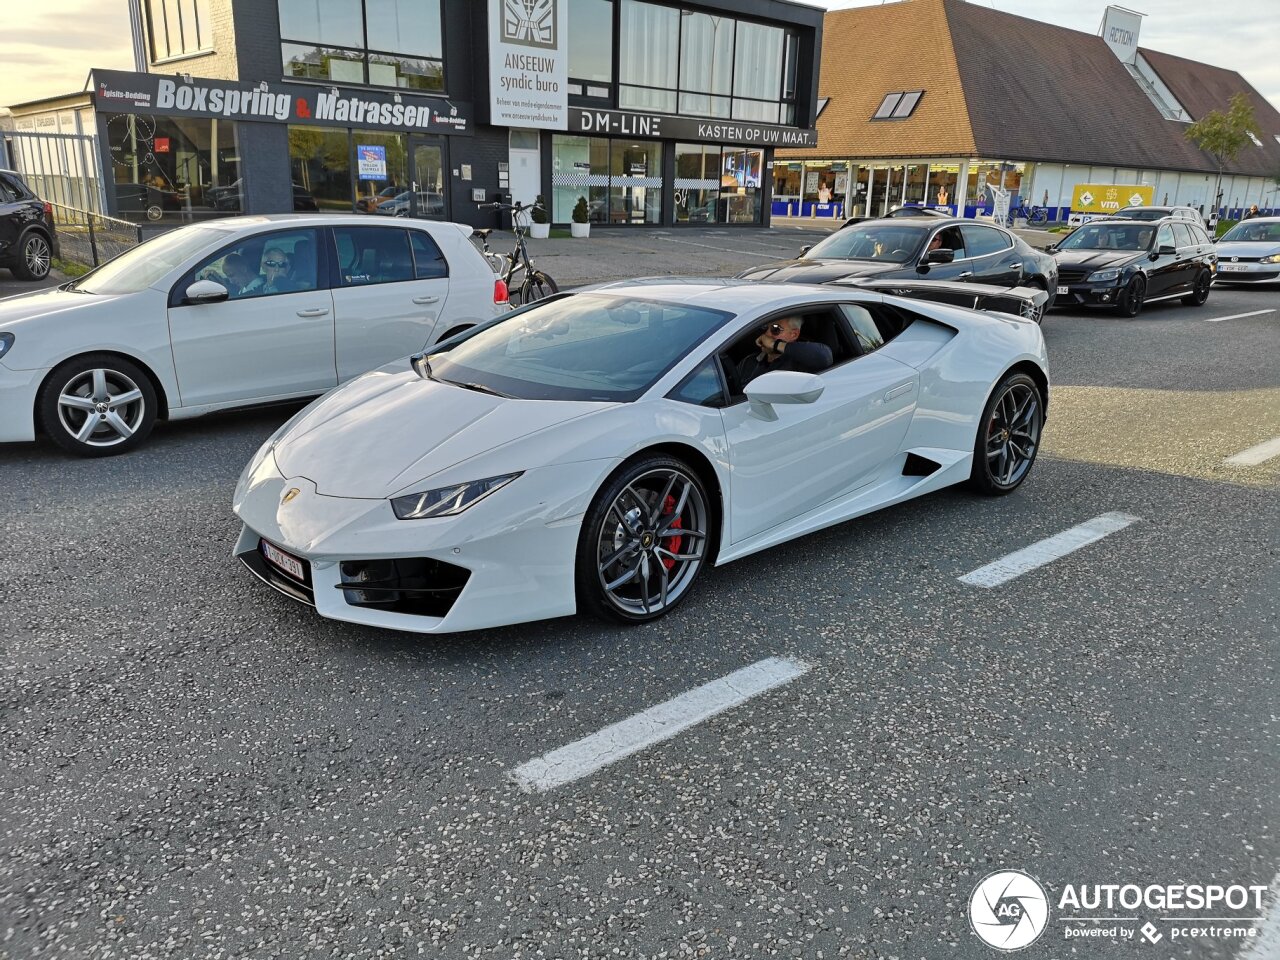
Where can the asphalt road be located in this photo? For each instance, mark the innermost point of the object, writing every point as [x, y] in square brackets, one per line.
[196, 767]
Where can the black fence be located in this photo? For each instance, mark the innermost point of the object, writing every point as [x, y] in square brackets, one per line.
[90, 238]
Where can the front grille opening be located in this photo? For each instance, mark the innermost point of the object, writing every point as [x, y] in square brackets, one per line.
[917, 466]
[414, 585]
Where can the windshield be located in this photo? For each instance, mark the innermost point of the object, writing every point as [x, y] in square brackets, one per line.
[146, 263]
[891, 242]
[1139, 213]
[1251, 231]
[582, 347]
[1109, 236]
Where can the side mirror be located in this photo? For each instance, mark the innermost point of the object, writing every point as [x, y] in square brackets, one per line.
[782, 386]
[941, 255]
[206, 291]
[805, 249]
[1167, 251]
[1051, 248]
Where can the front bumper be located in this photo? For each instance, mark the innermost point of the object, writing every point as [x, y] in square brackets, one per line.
[1083, 294]
[18, 389]
[517, 549]
[1247, 272]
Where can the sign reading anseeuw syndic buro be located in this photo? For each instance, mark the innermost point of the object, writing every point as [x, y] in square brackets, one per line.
[529, 63]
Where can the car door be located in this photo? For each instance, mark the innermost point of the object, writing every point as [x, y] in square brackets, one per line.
[817, 452]
[12, 216]
[1190, 254]
[993, 256]
[270, 338]
[1164, 273]
[390, 290]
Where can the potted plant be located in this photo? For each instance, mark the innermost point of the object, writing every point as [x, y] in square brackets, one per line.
[581, 226]
[540, 228]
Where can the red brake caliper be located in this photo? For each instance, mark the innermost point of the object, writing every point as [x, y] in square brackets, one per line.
[673, 540]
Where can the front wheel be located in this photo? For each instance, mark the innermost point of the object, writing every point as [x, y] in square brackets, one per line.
[34, 257]
[1037, 218]
[97, 406]
[1129, 304]
[1200, 291]
[643, 541]
[1008, 436]
[537, 286]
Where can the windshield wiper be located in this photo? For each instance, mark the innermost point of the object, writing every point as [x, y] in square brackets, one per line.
[480, 388]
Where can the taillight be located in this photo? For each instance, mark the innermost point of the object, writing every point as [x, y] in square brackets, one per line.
[500, 292]
[48, 211]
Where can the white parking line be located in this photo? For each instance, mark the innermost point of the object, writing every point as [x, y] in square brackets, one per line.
[654, 725]
[1266, 945]
[1047, 550]
[1256, 455]
[1237, 316]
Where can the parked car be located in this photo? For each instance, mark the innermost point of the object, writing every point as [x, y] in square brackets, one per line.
[906, 211]
[898, 249]
[1158, 213]
[28, 238]
[1125, 264]
[222, 314]
[575, 455]
[1250, 252]
[370, 204]
[429, 204]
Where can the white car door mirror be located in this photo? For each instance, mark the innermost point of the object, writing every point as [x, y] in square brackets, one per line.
[206, 291]
[782, 386]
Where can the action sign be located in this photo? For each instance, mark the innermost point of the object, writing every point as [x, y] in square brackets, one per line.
[1110, 197]
[372, 162]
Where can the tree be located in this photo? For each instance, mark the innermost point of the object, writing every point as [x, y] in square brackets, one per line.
[1224, 135]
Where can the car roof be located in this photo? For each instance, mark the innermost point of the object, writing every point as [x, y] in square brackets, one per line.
[722, 293]
[234, 224]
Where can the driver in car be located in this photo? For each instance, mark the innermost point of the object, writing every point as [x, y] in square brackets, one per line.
[779, 350]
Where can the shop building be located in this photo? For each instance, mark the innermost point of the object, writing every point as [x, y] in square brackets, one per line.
[654, 113]
[928, 101]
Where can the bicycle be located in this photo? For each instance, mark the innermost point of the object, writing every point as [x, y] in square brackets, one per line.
[1035, 216]
[536, 284]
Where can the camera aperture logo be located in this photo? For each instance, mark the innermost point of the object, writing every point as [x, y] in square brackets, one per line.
[1008, 910]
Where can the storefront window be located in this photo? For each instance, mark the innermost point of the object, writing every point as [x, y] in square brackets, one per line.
[697, 188]
[942, 185]
[995, 173]
[825, 188]
[385, 173]
[591, 40]
[391, 43]
[917, 181]
[174, 168]
[580, 168]
[740, 183]
[635, 182]
[320, 161]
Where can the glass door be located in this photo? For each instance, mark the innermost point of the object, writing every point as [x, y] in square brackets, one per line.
[879, 194]
[430, 176]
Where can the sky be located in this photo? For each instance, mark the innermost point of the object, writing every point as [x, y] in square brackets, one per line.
[50, 49]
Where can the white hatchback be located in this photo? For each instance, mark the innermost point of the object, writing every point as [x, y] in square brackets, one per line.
[235, 312]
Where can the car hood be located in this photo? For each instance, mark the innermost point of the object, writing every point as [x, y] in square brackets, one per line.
[818, 271]
[390, 430]
[25, 307]
[1247, 248]
[1096, 259]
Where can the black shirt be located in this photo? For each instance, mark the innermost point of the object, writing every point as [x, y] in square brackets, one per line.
[805, 357]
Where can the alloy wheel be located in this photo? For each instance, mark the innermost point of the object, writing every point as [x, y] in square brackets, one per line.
[1013, 434]
[37, 257]
[651, 542]
[101, 407]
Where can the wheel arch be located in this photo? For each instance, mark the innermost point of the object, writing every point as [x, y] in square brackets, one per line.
[1034, 371]
[162, 400]
[706, 471]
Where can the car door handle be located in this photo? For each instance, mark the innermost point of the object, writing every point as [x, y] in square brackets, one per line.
[1015, 266]
[898, 391]
[967, 273]
[425, 299]
[314, 312]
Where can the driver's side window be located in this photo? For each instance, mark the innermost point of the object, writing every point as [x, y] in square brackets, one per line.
[262, 266]
[822, 343]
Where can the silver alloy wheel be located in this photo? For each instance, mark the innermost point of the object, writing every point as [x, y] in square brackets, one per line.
[101, 407]
[1030, 310]
[1013, 434]
[652, 541]
[37, 256]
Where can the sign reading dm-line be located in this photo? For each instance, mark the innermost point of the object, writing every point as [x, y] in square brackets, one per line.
[528, 63]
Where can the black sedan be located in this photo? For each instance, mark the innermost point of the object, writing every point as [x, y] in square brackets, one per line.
[1125, 264]
[918, 248]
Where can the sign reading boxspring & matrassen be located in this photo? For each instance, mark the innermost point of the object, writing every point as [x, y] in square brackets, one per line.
[529, 63]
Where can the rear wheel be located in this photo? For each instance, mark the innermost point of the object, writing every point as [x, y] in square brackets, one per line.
[643, 541]
[1008, 436]
[35, 257]
[1200, 290]
[1129, 304]
[97, 406]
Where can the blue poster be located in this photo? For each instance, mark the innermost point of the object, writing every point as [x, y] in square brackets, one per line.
[372, 162]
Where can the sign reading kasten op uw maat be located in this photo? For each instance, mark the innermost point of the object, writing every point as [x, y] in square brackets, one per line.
[528, 63]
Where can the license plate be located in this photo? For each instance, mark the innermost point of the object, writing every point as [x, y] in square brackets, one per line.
[1063, 291]
[1231, 267]
[286, 562]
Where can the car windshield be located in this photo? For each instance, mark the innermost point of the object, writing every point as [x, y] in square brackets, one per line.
[1138, 213]
[583, 347]
[1248, 231]
[146, 263]
[893, 242]
[1109, 236]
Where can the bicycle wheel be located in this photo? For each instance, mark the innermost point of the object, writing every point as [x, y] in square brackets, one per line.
[537, 286]
[1038, 217]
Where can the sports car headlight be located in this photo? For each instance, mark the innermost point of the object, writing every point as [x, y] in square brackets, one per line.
[1103, 275]
[6, 340]
[1274, 258]
[447, 501]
